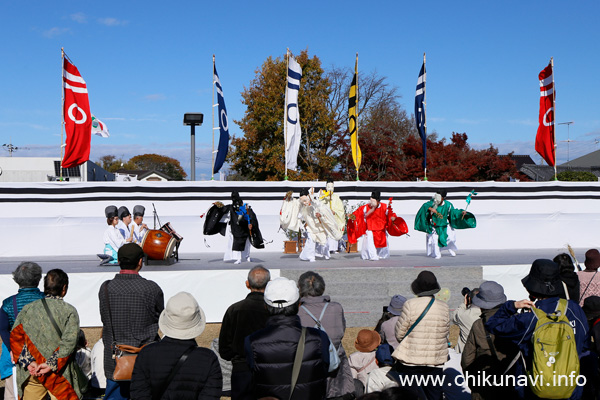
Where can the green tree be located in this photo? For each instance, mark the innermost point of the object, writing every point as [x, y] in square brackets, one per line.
[576, 176]
[259, 154]
[113, 164]
[156, 162]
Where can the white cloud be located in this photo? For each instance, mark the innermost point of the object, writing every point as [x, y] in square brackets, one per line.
[155, 97]
[525, 122]
[112, 22]
[79, 17]
[54, 32]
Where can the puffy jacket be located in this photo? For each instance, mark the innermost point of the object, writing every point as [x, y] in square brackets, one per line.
[270, 353]
[427, 344]
[198, 378]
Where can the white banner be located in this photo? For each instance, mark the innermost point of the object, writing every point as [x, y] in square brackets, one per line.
[292, 114]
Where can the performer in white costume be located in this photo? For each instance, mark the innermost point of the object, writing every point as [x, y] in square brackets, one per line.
[335, 204]
[124, 225]
[137, 225]
[319, 223]
[113, 239]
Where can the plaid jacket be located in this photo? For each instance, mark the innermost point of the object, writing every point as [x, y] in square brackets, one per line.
[135, 305]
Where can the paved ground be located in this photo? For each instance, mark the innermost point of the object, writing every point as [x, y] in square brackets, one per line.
[362, 287]
[398, 259]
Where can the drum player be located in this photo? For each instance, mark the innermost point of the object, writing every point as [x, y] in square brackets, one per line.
[138, 227]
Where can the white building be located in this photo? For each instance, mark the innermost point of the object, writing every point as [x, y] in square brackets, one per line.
[44, 169]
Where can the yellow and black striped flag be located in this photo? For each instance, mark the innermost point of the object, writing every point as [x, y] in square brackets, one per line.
[352, 120]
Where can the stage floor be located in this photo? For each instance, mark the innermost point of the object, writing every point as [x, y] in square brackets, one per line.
[273, 260]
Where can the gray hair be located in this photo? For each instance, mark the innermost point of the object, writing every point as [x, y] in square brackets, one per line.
[258, 277]
[27, 274]
[311, 284]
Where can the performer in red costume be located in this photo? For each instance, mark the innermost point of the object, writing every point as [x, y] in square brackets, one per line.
[371, 221]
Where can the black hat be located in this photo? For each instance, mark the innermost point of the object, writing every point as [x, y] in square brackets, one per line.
[426, 284]
[110, 211]
[442, 192]
[123, 212]
[236, 199]
[138, 211]
[591, 307]
[376, 195]
[129, 255]
[544, 279]
[303, 192]
[329, 180]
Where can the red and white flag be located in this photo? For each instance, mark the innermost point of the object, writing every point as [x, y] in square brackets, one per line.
[544, 140]
[77, 117]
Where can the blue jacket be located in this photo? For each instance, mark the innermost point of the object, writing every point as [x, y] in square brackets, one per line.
[519, 327]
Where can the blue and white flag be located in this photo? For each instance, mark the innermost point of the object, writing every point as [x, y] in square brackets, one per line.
[292, 115]
[223, 147]
[420, 111]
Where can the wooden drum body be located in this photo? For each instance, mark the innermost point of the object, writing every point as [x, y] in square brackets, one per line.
[158, 245]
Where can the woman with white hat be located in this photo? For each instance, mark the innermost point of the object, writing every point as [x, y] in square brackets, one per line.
[175, 367]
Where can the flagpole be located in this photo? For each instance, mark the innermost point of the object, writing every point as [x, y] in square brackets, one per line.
[62, 111]
[287, 66]
[425, 118]
[212, 178]
[554, 118]
[356, 122]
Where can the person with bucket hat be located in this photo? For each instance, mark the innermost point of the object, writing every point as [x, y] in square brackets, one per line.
[386, 326]
[589, 280]
[422, 332]
[176, 367]
[271, 352]
[545, 288]
[363, 360]
[483, 351]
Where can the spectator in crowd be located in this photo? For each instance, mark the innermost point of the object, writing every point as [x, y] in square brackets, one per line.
[27, 276]
[83, 354]
[226, 368]
[545, 288]
[175, 367]
[98, 379]
[464, 316]
[394, 393]
[591, 307]
[317, 310]
[271, 352]
[363, 360]
[386, 327]
[568, 276]
[129, 308]
[241, 319]
[483, 352]
[43, 342]
[422, 331]
[589, 280]
[589, 362]
[378, 380]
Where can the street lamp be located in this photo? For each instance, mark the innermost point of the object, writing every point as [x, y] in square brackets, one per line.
[193, 119]
[568, 124]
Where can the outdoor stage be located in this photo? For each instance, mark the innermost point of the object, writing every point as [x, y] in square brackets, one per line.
[362, 287]
[61, 224]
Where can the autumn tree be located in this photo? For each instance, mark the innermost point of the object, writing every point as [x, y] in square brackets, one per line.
[455, 161]
[259, 154]
[112, 163]
[382, 125]
[156, 162]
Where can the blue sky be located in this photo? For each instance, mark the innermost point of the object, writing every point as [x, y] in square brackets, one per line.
[147, 63]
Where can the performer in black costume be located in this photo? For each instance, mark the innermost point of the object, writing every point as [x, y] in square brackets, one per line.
[238, 222]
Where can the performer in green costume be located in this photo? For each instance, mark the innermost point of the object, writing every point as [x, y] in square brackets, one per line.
[438, 218]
